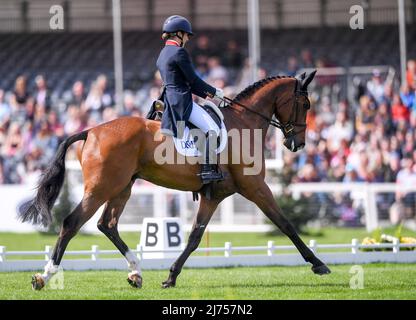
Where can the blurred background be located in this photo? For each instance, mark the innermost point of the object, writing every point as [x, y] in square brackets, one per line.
[359, 165]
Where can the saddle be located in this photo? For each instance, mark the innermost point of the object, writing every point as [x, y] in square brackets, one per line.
[188, 144]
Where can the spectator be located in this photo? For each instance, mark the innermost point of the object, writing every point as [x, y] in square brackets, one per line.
[12, 153]
[77, 97]
[56, 126]
[202, 51]
[232, 56]
[365, 115]
[20, 94]
[411, 74]
[406, 177]
[19, 100]
[73, 122]
[375, 87]
[383, 120]
[98, 98]
[41, 95]
[216, 71]
[407, 95]
[5, 110]
[306, 59]
[129, 104]
[43, 146]
[292, 66]
[399, 111]
[342, 129]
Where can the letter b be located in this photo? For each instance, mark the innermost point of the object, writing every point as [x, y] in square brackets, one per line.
[151, 234]
[173, 234]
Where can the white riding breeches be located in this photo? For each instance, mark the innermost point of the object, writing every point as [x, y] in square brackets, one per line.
[200, 118]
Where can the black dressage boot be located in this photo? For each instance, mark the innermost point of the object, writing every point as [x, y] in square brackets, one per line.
[209, 169]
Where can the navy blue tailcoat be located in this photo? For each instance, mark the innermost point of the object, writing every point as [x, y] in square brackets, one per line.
[180, 81]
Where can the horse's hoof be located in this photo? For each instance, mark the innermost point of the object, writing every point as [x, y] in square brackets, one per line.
[37, 281]
[135, 280]
[168, 284]
[321, 270]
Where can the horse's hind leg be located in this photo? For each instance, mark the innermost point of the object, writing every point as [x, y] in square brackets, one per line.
[108, 225]
[71, 225]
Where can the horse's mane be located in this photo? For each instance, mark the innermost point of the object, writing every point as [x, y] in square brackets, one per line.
[255, 86]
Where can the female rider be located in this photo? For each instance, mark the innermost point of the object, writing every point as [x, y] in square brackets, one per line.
[180, 82]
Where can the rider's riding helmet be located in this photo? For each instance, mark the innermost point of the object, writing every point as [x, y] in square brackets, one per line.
[177, 23]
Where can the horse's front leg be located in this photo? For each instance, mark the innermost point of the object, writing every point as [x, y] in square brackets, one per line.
[263, 198]
[205, 211]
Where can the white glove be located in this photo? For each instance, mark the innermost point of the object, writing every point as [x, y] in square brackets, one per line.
[219, 93]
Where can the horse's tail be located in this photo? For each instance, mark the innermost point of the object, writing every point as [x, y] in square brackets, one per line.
[38, 210]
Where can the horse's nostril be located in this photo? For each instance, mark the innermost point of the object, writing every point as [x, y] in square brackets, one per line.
[301, 146]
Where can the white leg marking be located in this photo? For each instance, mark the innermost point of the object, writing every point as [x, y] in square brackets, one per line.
[133, 263]
[50, 270]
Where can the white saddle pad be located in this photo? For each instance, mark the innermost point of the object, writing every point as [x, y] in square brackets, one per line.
[187, 147]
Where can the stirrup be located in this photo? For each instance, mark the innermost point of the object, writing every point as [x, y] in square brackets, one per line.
[209, 174]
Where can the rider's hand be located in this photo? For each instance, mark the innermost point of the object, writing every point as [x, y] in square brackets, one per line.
[219, 93]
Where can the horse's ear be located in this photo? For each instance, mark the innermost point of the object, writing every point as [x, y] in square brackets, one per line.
[308, 79]
[301, 76]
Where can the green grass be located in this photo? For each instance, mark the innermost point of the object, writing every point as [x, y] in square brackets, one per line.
[381, 281]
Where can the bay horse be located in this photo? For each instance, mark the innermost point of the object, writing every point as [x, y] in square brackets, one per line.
[114, 154]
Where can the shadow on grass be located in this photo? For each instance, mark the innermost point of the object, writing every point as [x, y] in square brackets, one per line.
[272, 285]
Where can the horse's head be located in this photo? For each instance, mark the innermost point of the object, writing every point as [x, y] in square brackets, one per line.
[292, 113]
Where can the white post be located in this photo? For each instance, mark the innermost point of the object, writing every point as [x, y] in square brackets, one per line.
[370, 207]
[139, 252]
[227, 211]
[396, 247]
[270, 245]
[355, 244]
[279, 149]
[95, 251]
[227, 249]
[402, 40]
[2, 253]
[253, 37]
[48, 250]
[160, 204]
[312, 245]
[118, 55]
[183, 207]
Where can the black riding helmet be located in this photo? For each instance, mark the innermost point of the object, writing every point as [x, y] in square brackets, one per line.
[176, 23]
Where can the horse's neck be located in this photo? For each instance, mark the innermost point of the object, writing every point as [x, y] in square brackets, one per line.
[262, 104]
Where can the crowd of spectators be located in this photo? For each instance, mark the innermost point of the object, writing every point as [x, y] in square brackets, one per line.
[371, 139]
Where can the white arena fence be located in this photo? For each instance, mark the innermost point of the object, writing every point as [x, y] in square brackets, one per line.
[269, 256]
[234, 214]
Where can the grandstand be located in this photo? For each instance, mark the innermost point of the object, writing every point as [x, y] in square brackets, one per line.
[67, 57]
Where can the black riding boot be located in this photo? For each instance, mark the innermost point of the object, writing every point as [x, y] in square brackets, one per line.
[209, 169]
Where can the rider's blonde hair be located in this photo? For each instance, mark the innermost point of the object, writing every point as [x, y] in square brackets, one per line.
[166, 36]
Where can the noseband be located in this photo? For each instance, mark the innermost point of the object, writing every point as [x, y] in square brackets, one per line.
[288, 128]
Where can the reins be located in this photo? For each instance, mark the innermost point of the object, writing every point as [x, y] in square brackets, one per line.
[288, 128]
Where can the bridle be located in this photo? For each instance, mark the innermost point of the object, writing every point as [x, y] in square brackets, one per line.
[288, 129]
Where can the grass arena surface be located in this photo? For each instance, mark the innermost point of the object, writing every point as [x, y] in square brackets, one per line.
[381, 281]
